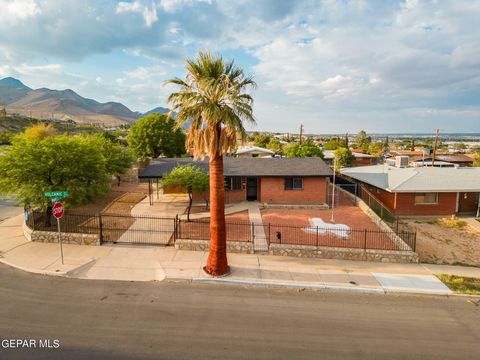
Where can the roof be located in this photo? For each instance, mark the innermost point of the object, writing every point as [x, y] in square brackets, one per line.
[254, 150]
[255, 167]
[454, 158]
[329, 154]
[418, 179]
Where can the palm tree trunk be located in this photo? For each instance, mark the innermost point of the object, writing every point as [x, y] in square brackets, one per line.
[217, 264]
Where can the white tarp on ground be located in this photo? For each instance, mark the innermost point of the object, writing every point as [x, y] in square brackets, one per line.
[340, 230]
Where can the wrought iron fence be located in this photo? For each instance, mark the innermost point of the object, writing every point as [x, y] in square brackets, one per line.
[200, 230]
[338, 237]
[116, 228]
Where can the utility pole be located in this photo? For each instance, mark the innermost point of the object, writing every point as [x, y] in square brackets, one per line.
[301, 133]
[332, 219]
[435, 147]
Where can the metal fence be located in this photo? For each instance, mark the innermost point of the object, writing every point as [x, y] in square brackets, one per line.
[111, 228]
[200, 230]
[378, 207]
[127, 229]
[335, 237]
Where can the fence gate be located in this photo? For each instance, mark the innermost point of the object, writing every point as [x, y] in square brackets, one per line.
[124, 229]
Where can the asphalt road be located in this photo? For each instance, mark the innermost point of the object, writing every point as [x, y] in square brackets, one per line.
[8, 208]
[131, 320]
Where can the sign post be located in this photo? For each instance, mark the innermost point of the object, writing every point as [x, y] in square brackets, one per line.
[58, 210]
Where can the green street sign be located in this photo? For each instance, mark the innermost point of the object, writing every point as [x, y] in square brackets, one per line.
[56, 194]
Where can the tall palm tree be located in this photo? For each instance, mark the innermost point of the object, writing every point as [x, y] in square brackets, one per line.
[213, 97]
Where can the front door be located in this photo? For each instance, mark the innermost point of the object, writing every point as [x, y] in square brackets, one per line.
[252, 188]
[467, 202]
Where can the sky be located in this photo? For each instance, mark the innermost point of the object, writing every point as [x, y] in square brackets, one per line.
[333, 66]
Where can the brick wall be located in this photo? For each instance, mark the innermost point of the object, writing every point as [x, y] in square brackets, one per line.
[387, 198]
[446, 205]
[272, 190]
[235, 195]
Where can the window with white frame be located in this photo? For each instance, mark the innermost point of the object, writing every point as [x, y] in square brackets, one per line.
[426, 198]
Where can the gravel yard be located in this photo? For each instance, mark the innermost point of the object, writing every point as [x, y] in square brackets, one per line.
[438, 244]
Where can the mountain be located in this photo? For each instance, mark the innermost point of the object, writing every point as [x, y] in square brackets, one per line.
[160, 110]
[66, 104]
[13, 83]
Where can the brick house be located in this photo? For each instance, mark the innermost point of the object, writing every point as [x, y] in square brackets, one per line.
[421, 191]
[268, 180]
[360, 159]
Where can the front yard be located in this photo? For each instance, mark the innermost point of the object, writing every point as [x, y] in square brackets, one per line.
[443, 243]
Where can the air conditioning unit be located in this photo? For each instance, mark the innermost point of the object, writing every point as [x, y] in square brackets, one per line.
[401, 161]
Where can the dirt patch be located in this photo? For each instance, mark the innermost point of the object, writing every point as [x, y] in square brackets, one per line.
[238, 228]
[292, 226]
[438, 244]
[120, 200]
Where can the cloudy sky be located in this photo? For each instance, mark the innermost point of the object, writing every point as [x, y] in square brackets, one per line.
[335, 66]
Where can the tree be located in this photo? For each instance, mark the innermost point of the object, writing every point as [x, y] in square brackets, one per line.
[343, 157]
[363, 141]
[213, 96]
[335, 143]
[155, 135]
[306, 149]
[476, 158]
[459, 147]
[275, 145]
[192, 179]
[118, 159]
[39, 131]
[377, 149]
[261, 140]
[77, 164]
[3, 113]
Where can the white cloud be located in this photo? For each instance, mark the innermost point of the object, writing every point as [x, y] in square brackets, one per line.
[12, 11]
[149, 13]
[143, 73]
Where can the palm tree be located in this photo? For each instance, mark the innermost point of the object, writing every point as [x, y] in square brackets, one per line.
[212, 97]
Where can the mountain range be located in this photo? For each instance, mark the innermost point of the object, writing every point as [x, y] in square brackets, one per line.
[66, 104]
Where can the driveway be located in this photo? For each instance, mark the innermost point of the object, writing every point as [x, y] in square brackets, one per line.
[152, 231]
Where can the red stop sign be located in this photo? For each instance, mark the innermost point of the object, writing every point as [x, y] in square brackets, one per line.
[58, 210]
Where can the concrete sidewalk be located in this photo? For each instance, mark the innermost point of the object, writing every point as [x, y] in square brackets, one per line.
[149, 263]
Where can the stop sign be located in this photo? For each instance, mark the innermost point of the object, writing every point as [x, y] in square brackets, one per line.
[58, 210]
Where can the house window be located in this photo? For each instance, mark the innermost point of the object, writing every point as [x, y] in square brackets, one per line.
[234, 183]
[426, 198]
[293, 183]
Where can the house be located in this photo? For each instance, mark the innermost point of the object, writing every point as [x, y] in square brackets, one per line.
[421, 191]
[268, 180]
[361, 159]
[440, 158]
[254, 151]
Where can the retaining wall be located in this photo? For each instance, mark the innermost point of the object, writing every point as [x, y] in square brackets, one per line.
[204, 245]
[323, 252]
[67, 238]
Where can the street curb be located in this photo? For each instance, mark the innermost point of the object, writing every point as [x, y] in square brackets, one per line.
[66, 273]
[34, 271]
[288, 285]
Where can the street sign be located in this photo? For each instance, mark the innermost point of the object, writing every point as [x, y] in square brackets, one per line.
[56, 194]
[58, 210]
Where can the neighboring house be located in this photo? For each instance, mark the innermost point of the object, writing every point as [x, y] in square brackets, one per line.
[360, 158]
[268, 180]
[254, 151]
[440, 159]
[421, 191]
